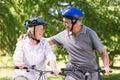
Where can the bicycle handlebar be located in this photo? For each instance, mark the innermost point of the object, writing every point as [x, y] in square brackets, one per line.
[62, 70]
[33, 68]
[69, 69]
[86, 73]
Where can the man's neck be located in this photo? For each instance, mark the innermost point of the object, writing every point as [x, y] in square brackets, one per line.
[77, 29]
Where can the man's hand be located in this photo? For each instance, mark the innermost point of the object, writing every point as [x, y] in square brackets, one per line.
[22, 37]
[107, 70]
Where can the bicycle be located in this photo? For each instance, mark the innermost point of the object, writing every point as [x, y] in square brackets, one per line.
[62, 73]
[87, 73]
[41, 72]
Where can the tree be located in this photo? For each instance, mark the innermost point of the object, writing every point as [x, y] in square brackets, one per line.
[9, 27]
[102, 16]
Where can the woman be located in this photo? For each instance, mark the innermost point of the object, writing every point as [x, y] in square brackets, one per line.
[33, 50]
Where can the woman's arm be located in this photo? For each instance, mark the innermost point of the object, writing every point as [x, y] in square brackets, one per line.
[52, 65]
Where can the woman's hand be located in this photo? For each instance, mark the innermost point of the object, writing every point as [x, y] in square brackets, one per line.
[55, 71]
[107, 70]
[19, 64]
[52, 64]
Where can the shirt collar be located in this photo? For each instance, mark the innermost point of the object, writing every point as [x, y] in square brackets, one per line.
[83, 29]
[27, 39]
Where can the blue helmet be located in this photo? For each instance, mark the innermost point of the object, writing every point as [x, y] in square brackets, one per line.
[34, 21]
[72, 13]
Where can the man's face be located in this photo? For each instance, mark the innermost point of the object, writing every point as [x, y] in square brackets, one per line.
[67, 23]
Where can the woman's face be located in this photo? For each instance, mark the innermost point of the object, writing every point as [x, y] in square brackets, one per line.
[39, 30]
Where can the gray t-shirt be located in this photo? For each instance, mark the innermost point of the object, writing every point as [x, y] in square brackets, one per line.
[81, 48]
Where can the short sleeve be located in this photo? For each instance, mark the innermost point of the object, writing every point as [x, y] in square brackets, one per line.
[57, 39]
[18, 54]
[49, 53]
[97, 45]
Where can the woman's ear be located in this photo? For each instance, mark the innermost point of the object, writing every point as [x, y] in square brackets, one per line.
[30, 30]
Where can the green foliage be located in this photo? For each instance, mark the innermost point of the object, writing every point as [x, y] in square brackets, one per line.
[61, 53]
[9, 27]
[111, 77]
[101, 15]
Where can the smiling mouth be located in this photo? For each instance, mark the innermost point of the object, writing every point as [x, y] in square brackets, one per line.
[67, 28]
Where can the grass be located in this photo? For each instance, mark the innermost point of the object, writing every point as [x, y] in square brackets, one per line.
[113, 76]
[6, 69]
[110, 77]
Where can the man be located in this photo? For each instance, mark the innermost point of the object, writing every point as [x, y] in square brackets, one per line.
[81, 43]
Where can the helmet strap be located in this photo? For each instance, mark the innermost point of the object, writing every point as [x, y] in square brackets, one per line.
[73, 23]
[34, 31]
[30, 36]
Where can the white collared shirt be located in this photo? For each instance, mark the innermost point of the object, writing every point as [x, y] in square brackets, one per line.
[33, 55]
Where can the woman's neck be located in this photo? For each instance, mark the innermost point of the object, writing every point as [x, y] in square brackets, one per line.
[33, 42]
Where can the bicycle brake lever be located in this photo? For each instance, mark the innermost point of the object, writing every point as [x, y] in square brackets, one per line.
[103, 71]
[33, 66]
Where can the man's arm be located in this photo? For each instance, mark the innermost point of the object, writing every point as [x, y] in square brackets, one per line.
[105, 59]
[50, 41]
[22, 37]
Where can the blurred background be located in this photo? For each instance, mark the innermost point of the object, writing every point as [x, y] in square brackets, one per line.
[103, 16]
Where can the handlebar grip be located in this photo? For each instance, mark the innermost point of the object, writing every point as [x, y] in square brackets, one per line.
[103, 71]
[66, 69]
[110, 71]
[16, 67]
[61, 73]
